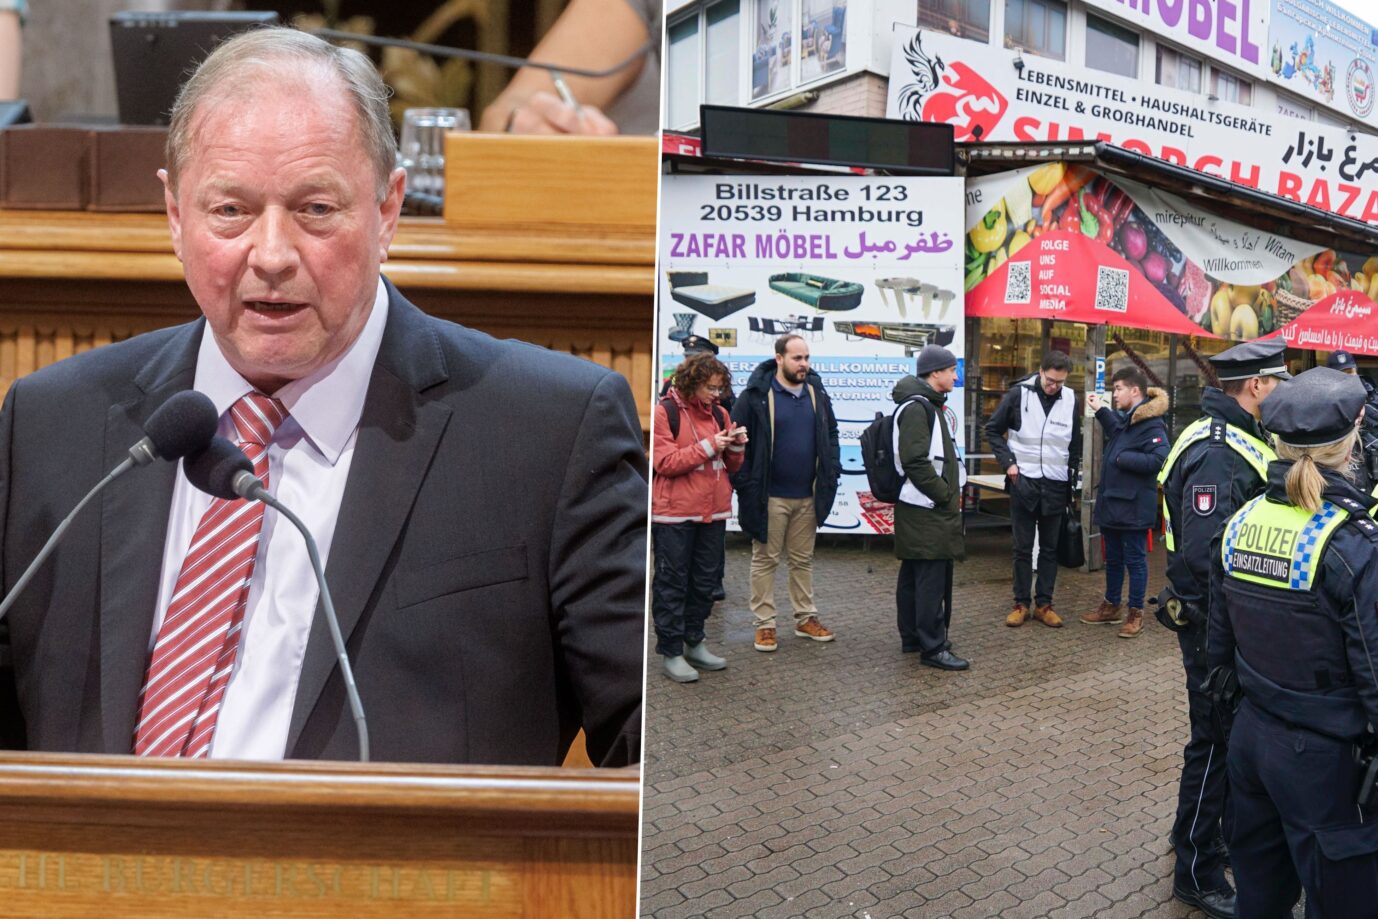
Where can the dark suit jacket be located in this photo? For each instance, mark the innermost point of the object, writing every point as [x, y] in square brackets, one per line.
[488, 566]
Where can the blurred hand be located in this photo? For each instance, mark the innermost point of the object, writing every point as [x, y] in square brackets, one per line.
[1013, 471]
[546, 113]
[721, 440]
[1093, 400]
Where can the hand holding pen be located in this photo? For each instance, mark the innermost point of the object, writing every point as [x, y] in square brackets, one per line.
[547, 113]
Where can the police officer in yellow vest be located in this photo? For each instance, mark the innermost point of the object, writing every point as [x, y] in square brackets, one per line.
[1294, 613]
[1217, 463]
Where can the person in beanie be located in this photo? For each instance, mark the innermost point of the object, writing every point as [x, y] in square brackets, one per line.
[1127, 494]
[691, 499]
[1035, 433]
[928, 517]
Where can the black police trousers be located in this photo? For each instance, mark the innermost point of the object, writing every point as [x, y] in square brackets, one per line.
[1203, 787]
[923, 600]
[689, 558]
[1295, 823]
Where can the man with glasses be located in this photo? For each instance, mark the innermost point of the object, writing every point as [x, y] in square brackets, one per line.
[1036, 437]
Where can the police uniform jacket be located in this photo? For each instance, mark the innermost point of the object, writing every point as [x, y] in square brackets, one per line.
[1302, 636]
[1206, 483]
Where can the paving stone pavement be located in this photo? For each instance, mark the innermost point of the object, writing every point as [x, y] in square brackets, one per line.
[847, 780]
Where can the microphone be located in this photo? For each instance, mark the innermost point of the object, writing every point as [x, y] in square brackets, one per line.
[183, 424]
[222, 470]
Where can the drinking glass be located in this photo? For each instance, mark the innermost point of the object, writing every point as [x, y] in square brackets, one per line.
[422, 149]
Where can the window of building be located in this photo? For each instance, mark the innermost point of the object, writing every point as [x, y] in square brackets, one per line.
[703, 61]
[963, 18]
[722, 52]
[822, 38]
[1111, 48]
[1230, 88]
[1037, 26]
[772, 52]
[1178, 70]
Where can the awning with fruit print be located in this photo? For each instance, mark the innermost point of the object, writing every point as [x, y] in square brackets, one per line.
[1063, 241]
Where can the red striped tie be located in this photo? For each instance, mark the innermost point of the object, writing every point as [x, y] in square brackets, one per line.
[195, 651]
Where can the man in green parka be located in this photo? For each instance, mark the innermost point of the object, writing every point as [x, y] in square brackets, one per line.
[928, 517]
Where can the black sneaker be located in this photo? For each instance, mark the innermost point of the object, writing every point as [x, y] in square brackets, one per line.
[1218, 904]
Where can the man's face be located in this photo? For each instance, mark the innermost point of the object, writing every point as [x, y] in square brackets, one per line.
[943, 380]
[1264, 386]
[794, 363]
[1052, 380]
[277, 223]
[1125, 396]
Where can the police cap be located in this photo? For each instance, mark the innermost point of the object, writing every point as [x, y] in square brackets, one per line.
[1314, 408]
[696, 343]
[1341, 360]
[1260, 358]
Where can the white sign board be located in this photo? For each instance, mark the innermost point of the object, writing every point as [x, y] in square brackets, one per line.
[867, 270]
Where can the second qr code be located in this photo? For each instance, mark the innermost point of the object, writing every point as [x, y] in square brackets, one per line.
[1018, 287]
[1112, 289]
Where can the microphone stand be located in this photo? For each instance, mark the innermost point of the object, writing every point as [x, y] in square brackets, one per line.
[246, 485]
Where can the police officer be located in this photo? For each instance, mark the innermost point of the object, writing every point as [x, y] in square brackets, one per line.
[1217, 463]
[1367, 454]
[1294, 613]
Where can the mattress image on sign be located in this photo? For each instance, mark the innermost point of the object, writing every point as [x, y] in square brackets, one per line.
[712, 300]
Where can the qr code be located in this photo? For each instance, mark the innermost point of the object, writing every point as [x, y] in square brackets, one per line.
[1018, 286]
[1112, 289]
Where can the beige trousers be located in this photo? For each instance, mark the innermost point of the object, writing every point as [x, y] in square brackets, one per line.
[791, 529]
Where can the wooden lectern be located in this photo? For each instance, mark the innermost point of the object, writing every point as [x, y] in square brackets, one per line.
[122, 836]
[547, 239]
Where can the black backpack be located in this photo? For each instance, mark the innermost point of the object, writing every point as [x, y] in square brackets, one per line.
[878, 452]
[672, 415]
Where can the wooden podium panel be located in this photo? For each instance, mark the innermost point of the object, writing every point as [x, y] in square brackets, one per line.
[123, 837]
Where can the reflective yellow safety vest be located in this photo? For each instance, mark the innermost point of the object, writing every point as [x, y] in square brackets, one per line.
[1256, 453]
[1278, 545]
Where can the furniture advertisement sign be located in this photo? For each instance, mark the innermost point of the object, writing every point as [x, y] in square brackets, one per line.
[1322, 52]
[1061, 241]
[990, 94]
[867, 270]
[1233, 32]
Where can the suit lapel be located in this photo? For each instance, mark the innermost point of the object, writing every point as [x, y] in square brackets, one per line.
[398, 435]
[134, 511]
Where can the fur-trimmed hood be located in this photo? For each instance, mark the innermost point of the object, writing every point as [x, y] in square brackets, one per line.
[1155, 406]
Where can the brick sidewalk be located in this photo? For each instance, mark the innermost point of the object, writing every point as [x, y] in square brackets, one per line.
[847, 780]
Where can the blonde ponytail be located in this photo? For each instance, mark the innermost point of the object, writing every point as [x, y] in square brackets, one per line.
[1305, 484]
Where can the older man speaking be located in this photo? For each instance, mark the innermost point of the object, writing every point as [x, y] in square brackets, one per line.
[481, 504]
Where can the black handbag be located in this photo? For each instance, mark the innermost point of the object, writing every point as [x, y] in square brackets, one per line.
[1071, 550]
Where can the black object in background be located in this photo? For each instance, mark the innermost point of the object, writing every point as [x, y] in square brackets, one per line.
[155, 52]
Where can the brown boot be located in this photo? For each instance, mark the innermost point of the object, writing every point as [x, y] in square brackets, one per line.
[1018, 616]
[1106, 614]
[1133, 625]
[1048, 616]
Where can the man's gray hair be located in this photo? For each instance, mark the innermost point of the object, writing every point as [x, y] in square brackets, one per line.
[230, 69]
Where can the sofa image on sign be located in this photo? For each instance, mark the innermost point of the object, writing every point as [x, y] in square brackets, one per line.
[819, 292]
[712, 300]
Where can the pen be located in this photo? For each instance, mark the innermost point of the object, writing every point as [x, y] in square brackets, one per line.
[563, 89]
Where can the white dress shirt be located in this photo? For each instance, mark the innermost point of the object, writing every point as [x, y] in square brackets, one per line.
[308, 463]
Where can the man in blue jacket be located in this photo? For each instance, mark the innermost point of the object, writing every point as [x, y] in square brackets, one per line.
[1136, 445]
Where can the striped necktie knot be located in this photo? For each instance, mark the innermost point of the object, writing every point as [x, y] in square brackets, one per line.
[256, 418]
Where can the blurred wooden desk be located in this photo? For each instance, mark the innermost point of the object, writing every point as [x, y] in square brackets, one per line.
[124, 836]
[551, 240]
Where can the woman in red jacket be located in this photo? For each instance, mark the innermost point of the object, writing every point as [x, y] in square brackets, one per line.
[695, 448]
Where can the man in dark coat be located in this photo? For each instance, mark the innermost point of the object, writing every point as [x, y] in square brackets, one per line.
[1127, 494]
[1035, 433]
[1218, 463]
[928, 516]
[787, 483]
[1367, 457]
